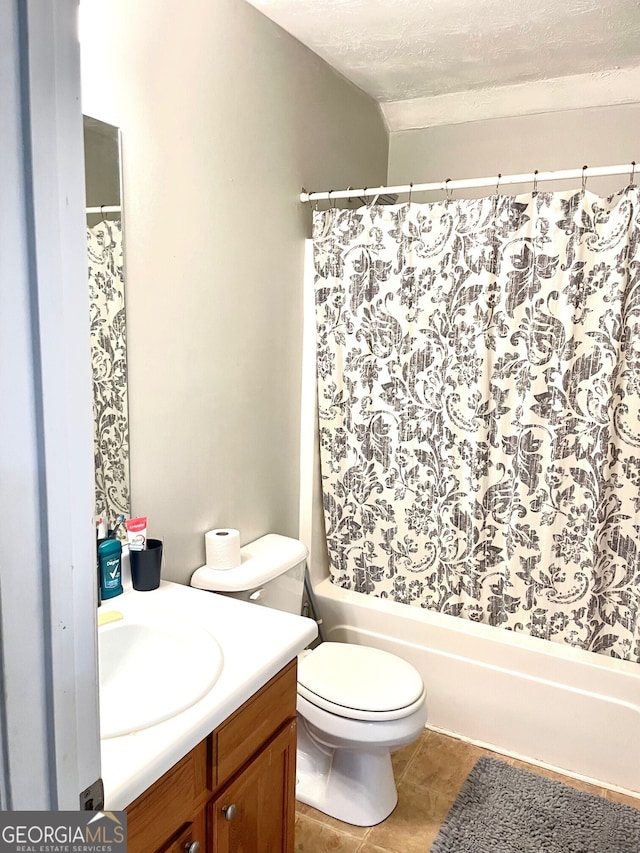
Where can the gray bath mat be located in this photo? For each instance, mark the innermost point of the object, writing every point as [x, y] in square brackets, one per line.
[502, 809]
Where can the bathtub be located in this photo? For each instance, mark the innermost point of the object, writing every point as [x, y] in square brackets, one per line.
[547, 703]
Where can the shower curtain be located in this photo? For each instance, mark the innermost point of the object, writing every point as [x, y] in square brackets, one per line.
[109, 365]
[478, 389]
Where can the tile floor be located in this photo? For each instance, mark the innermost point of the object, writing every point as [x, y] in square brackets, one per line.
[429, 774]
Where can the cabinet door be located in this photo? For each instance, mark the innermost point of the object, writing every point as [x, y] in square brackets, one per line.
[255, 813]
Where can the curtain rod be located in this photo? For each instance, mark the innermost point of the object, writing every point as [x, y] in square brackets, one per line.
[105, 208]
[471, 183]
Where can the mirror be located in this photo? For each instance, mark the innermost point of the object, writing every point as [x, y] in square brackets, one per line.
[107, 318]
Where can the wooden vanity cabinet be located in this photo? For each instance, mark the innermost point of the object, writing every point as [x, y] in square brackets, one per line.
[255, 813]
[235, 791]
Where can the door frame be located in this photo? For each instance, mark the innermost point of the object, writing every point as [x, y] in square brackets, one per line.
[49, 717]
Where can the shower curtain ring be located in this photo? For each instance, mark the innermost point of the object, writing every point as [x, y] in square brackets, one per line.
[105, 221]
[584, 178]
[498, 183]
[632, 177]
[313, 204]
[447, 190]
[535, 182]
[410, 192]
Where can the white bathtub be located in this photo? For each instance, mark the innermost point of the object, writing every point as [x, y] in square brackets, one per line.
[551, 704]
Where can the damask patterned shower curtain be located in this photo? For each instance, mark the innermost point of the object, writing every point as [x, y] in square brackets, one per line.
[109, 365]
[479, 380]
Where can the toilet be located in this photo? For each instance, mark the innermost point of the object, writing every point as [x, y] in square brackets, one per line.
[356, 704]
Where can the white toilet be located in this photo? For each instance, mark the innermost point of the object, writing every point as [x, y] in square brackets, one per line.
[356, 704]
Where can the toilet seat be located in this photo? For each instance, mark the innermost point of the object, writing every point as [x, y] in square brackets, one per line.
[359, 682]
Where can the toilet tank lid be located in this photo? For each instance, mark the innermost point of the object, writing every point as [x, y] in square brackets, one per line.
[261, 562]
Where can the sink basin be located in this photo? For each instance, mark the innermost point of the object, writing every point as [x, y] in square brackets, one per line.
[150, 672]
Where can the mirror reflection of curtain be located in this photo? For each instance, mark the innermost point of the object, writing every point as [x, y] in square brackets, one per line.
[109, 365]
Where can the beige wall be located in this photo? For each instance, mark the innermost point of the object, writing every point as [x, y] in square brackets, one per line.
[563, 140]
[224, 118]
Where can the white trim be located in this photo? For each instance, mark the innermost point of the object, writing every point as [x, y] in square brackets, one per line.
[51, 739]
[308, 404]
[311, 531]
[576, 92]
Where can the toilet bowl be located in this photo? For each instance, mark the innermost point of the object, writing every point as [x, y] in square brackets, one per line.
[356, 704]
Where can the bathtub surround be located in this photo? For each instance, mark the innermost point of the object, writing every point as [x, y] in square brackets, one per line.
[478, 403]
[501, 807]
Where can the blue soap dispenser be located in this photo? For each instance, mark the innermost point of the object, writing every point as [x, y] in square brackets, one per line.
[110, 565]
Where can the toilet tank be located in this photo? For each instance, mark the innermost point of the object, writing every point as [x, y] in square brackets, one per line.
[271, 573]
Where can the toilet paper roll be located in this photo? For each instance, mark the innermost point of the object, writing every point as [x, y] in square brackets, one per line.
[222, 547]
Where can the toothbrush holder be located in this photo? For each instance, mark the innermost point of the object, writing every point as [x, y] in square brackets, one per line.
[146, 566]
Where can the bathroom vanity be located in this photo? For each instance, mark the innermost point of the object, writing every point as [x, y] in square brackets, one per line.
[235, 790]
[219, 775]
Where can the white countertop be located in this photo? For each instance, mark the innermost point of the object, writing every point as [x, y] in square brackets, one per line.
[256, 643]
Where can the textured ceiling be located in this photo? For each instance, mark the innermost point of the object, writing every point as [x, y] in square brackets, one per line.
[402, 51]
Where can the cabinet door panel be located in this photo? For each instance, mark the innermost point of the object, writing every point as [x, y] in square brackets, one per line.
[263, 801]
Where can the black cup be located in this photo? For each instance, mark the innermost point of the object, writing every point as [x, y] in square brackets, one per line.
[146, 565]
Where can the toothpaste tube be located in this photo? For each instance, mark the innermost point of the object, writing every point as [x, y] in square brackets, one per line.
[136, 533]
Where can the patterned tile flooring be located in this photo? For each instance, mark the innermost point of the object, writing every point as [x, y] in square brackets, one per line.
[429, 774]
